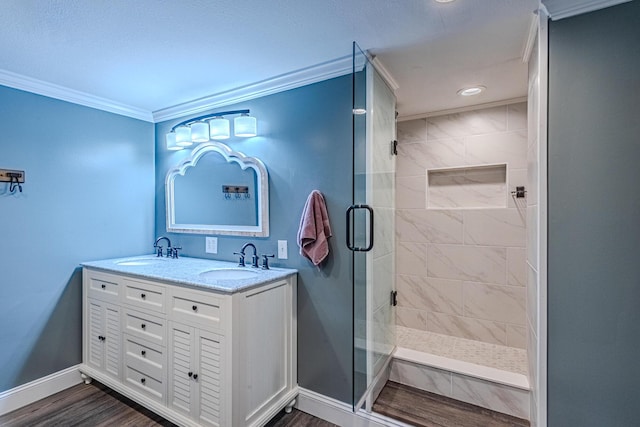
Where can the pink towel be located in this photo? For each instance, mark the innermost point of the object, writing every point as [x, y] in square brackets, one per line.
[314, 229]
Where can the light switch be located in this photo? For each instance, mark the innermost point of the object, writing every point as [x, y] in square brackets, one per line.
[211, 246]
[282, 249]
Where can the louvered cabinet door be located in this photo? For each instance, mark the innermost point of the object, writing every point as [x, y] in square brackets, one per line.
[103, 337]
[181, 369]
[195, 373]
[209, 379]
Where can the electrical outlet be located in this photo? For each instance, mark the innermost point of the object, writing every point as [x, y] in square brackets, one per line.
[211, 245]
[282, 249]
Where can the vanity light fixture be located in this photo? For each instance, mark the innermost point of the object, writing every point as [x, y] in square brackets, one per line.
[471, 91]
[219, 128]
[244, 126]
[183, 136]
[210, 126]
[171, 142]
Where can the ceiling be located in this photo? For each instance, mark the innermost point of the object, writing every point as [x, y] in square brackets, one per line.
[153, 55]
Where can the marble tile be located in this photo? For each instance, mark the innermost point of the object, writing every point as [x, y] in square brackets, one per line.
[383, 331]
[498, 397]
[517, 116]
[422, 226]
[424, 341]
[411, 160]
[421, 377]
[494, 227]
[517, 178]
[383, 233]
[471, 263]
[429, 294]
[411, 192]
[444, 153]
[472, 351]
[517, 336]
[382, 280]
[483, 187]
[411, 258]
[492, 302]
[411, 318]
[476, 122]
[464, 327]
[508, 147]
[412, 131]
[384, 185]
[516, 267]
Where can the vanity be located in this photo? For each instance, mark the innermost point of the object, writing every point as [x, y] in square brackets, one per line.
[199, 342]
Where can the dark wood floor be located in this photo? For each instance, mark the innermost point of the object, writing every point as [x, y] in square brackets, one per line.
[95, 405]
[421, 408]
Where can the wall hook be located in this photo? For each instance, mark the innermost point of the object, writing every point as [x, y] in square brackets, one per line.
[13, 177]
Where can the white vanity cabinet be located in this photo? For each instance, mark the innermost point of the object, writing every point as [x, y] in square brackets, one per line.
[196, 356]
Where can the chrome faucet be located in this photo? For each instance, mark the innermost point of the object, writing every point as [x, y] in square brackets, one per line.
[159, 247]
[254, 258]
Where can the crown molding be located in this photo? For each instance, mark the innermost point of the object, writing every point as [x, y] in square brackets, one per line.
[463, 109]
[384, 73]
[577, 7]
[17, 81]
[305, 76]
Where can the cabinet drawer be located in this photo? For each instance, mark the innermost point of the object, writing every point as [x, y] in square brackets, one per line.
[145, 326]
[144, 295]
[199, 308]
[144, 357]
[145, 383]
[103, 287]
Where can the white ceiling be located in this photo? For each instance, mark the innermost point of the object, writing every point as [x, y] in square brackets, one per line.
[155, 54]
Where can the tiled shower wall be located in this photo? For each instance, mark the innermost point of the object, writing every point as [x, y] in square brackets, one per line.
[461, 269]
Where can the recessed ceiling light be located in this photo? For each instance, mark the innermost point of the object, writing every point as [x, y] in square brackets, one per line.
[472, 90]
[444, 1]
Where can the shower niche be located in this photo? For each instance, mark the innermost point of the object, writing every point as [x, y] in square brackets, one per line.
[467, 187]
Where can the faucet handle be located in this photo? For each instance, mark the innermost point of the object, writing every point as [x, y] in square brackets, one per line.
[265, 261]
[159, 250]
[173, 252]
[241, 262]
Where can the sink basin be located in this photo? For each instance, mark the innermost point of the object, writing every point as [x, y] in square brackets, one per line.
[228, 274]
[142, 261]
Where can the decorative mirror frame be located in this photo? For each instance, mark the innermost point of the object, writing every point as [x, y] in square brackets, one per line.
[262, 192]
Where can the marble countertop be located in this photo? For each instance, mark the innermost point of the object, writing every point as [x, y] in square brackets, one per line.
[188, 271]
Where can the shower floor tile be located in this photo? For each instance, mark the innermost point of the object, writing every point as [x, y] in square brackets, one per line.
[509, 359]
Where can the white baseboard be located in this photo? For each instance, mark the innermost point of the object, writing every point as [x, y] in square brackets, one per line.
[26, 394]
[340, 413]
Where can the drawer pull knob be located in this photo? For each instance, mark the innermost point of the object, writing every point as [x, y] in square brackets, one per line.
[100, 337]
[143, 352]
[143, 326]
[190, 374]
[195, 376]
[194, 307]
[103, 286]
[143, 296]
[142, 380]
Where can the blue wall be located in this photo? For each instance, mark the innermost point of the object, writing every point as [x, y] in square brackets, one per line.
[305, 142]
[594, 219]
[89, 194]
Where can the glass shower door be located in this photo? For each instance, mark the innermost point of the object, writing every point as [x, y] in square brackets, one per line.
[371, 229]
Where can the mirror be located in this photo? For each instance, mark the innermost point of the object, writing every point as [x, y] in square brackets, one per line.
[218, 191]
